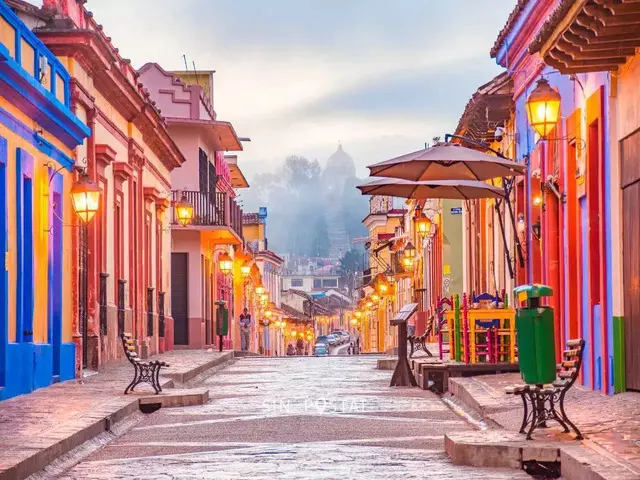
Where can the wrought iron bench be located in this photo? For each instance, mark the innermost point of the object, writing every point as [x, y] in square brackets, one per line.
[420, 342]
[148, 372]
[540, 400]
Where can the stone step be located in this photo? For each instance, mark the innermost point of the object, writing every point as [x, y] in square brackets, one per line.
[500, 449]
[177, 398]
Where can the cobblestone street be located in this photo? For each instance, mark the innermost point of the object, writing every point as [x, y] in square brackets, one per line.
[298, 417]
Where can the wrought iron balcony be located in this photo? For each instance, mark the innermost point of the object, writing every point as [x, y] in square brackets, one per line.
[216, 209]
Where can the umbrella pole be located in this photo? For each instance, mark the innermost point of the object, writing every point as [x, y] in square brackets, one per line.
[507, 195]
[504, 239]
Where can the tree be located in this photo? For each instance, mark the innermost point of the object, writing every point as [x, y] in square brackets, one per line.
[355, 207]
[350, 267]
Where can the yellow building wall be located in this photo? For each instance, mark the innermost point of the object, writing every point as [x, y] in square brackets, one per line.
[253, 232]
[41, 236]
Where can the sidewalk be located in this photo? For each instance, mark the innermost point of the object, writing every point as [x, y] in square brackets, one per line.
[610, 424]
[37, 428]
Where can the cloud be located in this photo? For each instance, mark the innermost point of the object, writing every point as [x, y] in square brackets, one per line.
[297, 76]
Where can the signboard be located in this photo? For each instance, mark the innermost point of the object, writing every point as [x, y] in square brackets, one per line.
[456, 211]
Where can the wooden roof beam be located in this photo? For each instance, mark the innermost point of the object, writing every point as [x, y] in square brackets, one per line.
[579, 42]
[619, 8]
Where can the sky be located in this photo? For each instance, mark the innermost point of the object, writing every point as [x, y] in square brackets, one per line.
[299, 76]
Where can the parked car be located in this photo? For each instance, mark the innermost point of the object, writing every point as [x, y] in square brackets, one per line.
[345, 337]
[320, 350]
[332, 340]
[323, 339]
[338, 335]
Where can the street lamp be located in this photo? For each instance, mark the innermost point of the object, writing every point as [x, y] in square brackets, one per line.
[226, 263]
[245, 269]
[423, 224]
[357, 314]
[260, 290]
[85, 197]
[382, 286]
[183, 210]
[543, 108]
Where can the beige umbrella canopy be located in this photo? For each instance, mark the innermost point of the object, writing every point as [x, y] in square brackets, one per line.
[454, 189]
[447, 161]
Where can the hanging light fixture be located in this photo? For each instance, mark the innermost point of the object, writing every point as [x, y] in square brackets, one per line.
[85, 196]
[245, 269]
[260, 289]
[543, 108]
[183, 210]
[357, 314]
[521, 223]
[423, 224]
[226, 263]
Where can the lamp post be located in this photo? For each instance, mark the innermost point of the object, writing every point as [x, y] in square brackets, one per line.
[85, 197]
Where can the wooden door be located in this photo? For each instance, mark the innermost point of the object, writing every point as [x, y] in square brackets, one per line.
[179, 297]
[630, 183]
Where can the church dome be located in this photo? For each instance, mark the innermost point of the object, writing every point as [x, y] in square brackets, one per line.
[340, 164]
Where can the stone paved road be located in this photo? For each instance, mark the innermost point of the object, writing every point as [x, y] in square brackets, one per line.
[292, 418]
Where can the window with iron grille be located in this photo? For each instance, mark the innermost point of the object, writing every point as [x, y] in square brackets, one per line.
[203, 164]
[317, 283]
[329, 283]
[297, 282]
[212, 181]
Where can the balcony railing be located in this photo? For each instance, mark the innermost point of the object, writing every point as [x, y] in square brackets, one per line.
[212, 209]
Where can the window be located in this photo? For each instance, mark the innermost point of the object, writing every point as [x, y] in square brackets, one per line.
[203, 168]
[297, 282]
[317, 283]
[329, 283]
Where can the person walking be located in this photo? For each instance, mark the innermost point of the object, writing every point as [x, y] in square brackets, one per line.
[245, 330]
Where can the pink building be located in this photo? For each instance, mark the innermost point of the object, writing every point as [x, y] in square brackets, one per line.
[207, 181]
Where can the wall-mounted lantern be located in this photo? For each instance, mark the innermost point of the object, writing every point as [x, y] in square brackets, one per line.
[543, 108]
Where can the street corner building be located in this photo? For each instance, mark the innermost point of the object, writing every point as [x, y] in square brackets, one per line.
[112, 275]
[576, 209]
[38, 135]
[202, 285]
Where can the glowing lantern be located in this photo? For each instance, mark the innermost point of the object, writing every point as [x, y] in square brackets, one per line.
[85, 196]
[543, 108]
[226, 263]
[183, 211]
[423, 225]
[245, 269]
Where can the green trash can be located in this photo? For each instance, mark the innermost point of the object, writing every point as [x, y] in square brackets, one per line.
[535, 331]
[222, 318]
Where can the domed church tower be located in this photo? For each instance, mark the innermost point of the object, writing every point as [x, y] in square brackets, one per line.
[340, 167]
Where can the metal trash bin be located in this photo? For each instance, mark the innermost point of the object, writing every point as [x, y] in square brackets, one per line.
[535, 333]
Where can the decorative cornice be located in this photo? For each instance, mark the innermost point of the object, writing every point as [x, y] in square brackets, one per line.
[122, 171]
[105, 155]
[151, 194]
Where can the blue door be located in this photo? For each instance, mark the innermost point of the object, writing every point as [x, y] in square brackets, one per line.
[55, 272]
[584, 305]
[4, 281]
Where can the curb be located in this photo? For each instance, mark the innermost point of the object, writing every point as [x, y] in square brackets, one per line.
[184, 377]
[500, 448]
[38, 459]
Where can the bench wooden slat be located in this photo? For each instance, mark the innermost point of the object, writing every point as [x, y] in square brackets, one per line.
[575, 343]
[566, 374]
[569, 363]
[570, 353]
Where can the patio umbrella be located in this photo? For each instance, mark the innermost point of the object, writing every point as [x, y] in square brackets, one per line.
[454, 189]
[447, 161]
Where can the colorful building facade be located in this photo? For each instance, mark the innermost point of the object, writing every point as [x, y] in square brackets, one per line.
[38, 135]
[577, 206]
[207, 180]
[129, 155]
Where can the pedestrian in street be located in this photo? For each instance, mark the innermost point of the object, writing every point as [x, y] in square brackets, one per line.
[245, 329]
[291, 350]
